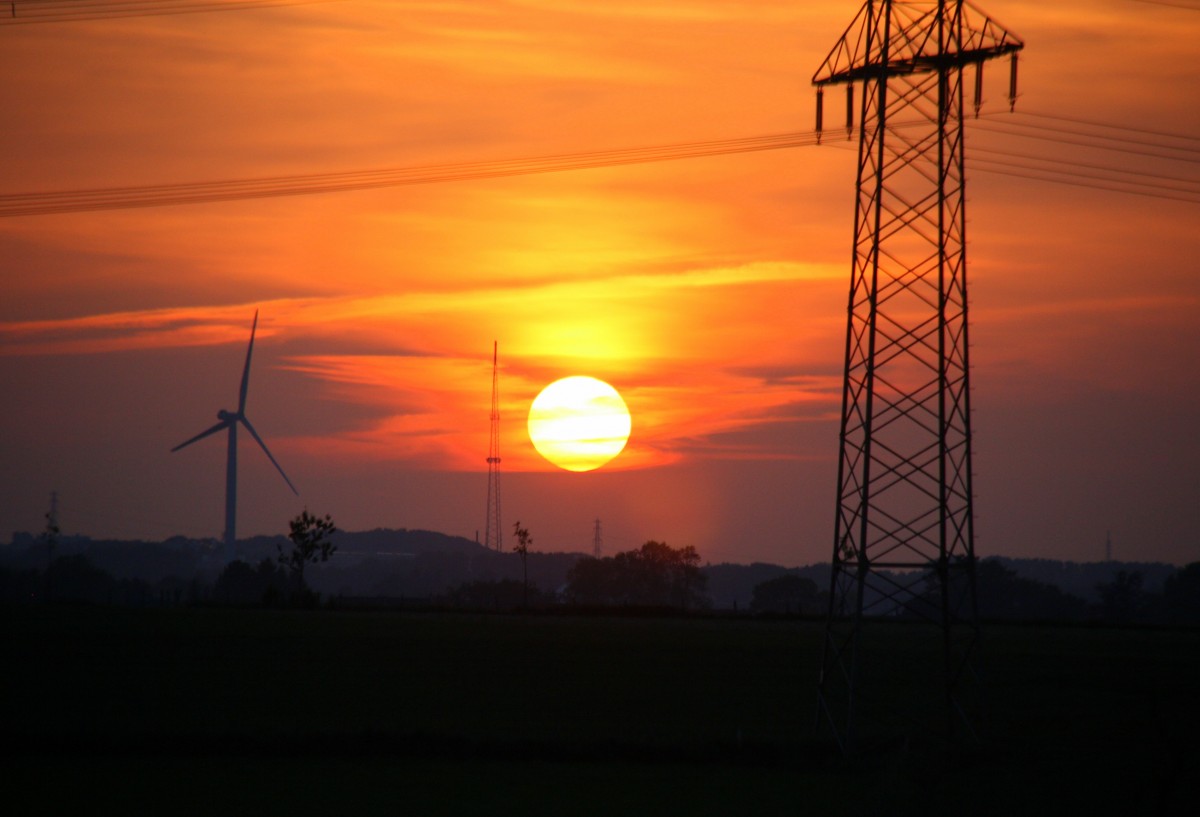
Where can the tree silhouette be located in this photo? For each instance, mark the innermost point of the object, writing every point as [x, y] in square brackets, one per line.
[1182, 595]
[789, 594]
[311, 543]
[524, 540]
[242, 584]
[1123, 600]
[654, 575]
[50, 538]
[1002, 594]
[74, 578]
[497, 594]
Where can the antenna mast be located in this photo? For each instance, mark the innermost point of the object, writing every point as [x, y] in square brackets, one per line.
[903, 545]
[493, 536]
[596, 540]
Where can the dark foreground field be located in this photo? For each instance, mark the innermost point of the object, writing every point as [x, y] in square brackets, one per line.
[257, 712]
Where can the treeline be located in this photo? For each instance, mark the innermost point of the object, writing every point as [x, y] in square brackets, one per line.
[422, 569]
[655, 576]
[74, 578]
[1003, 595]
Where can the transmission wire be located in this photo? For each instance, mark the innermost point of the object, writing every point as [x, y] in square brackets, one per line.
[57, 11]
[80, 200]
[62, 201]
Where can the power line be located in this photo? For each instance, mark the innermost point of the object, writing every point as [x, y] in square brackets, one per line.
[1099, 140]
[71, 201]
[1085, 165]
[1081, 180]
[1106, 125]
[1131, 143]
[1062, 136]
[27, 12]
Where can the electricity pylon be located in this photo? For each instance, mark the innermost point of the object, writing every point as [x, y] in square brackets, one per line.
[904, 539]
[493, 534]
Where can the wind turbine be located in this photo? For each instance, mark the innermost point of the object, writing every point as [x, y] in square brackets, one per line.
[229, 420]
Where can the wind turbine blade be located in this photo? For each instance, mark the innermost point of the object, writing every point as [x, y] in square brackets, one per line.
[267, 451]
[246, 371]
[218, 427]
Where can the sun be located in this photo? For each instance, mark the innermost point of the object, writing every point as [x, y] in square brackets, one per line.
[579, 423]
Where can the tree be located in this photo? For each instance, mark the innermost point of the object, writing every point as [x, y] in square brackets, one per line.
[311, 543]
[593, 581]
[50, 538]
[524, 540]
[786, 594]
[497, 594]
[1002, 594]
[242, 584]
[654, 575]
[1181, 591]
[1123, 600]
[75, 578]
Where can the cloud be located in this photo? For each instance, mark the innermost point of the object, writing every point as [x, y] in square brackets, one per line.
[421, 360]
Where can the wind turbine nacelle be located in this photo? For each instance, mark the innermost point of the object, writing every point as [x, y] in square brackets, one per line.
[225, 416]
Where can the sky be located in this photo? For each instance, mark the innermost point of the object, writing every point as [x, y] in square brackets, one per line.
[710, 292]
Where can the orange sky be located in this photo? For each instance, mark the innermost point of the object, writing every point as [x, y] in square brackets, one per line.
[710, 292]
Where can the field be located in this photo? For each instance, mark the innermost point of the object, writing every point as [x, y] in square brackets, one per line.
[206, 711]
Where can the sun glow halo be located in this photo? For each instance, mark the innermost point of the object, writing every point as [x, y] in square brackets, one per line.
[579, 423]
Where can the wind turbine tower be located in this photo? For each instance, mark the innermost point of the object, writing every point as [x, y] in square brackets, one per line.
[229, 420]
[904, 531]
[493, 536]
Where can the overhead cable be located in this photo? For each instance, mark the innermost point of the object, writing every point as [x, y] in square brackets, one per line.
[67, 201]
[25, 12]
[1132, 141]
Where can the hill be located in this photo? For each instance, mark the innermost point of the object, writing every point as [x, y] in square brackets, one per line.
[419, 564]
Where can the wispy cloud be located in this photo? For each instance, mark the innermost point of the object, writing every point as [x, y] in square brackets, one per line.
[668, 341]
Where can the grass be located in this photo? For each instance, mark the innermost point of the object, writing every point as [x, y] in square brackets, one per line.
[243, 711]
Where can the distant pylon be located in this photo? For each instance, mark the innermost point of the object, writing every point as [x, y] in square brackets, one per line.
[493, 533]
[904, 532]
[596, 540]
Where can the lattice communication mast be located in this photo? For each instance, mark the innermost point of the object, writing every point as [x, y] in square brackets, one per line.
[493, 533]
[904, 539]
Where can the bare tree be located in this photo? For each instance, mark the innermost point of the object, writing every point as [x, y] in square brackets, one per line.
[524, 540]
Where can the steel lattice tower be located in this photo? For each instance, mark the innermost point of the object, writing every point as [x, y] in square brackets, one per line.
[904, 539]
[493, 533]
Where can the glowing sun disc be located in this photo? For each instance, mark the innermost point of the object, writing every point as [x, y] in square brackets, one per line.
[579, 423]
